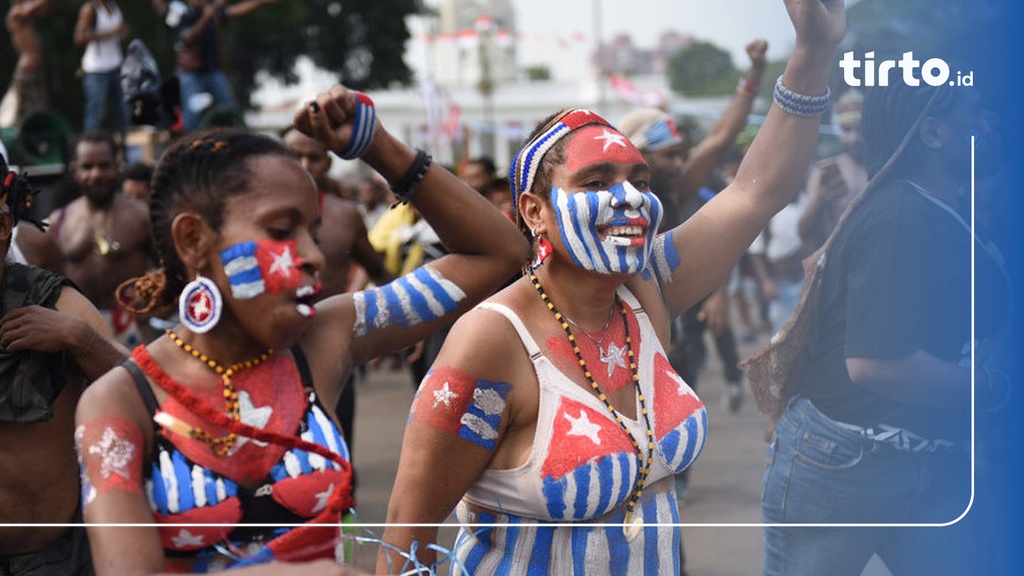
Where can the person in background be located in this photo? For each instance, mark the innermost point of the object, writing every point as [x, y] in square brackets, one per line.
[835, 181]
[201, 77]
[101, 28]
[27, 91]
[480, 173]
[135, 180]
[53, 342]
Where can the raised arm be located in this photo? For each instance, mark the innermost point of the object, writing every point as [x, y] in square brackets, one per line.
[247, 7]
[485, 249]
[705, 156]
[701, 252]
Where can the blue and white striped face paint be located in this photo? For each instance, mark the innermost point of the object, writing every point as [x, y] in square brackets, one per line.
[422, 296]
[608, 231]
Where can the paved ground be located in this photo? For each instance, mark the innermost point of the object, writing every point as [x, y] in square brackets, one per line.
[725, 484]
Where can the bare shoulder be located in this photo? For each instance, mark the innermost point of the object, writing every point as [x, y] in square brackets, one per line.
[484, 342]
[114, 394]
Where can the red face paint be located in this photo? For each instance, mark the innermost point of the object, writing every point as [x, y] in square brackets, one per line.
[279, 264]
[598, 144]
[109, 449]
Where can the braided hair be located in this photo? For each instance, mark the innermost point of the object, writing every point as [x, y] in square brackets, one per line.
[16, 197]
[197, 173]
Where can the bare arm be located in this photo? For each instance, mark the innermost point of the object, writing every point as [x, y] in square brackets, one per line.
[718, 234]
[74, 327]
[85, 27]
[484, 247]
[247, 7]
[704, 157]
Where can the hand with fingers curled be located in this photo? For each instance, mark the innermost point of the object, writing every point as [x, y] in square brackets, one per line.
[343, 120]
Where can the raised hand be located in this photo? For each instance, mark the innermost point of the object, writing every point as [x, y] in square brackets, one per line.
[341, 119]
[757, 51]
[818, 23]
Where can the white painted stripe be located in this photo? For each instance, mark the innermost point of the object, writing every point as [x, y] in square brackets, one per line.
[411, 316]
[170, 482]
[222, 491]
[435, 306]
[359, 301]
[291, 465]
[240, 265]
[317, 461]
[450, 288]
[199, 486]
[326, 427]
[247, 290]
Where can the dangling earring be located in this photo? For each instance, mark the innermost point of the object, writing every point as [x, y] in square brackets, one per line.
[544, 249]
[200, 305]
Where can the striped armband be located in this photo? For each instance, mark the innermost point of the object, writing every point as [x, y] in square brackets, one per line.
[801, 105]
[456, 402]
[421, 296]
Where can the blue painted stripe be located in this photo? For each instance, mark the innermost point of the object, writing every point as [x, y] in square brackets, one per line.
[626, 484]
[183, 474]
[436, 288]
[593, 210]
[554, 493]
[483, 543]
[651, 559]
[210, 486]
[540, 560]
[417, 300]
[512, 534]
[579, 538]
[393, 304]
[302, 457]
[279, 472]
[565, 222]
[159, 489]
[247, 276]
[618, 547]
[670, 445]
[240, 250]
[581, 476]
[370, 317]
[673, 507]
[317, 430]
[605, 481]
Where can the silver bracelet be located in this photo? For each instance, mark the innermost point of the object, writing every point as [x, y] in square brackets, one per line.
[798, 104]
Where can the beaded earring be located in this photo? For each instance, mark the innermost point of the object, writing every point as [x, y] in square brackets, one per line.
[200, 305]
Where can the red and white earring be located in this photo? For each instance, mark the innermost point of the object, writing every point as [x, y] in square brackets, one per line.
[200, 305]
[544, 249]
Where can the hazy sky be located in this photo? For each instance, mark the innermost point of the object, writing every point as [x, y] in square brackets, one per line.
[728, 23]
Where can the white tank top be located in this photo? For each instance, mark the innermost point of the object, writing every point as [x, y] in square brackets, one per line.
[104, 55]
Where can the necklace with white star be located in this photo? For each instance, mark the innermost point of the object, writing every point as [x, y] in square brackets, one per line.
[631, 526]
[604, 331]
[222, 445]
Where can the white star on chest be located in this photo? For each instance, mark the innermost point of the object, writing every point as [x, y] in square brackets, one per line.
[611, 138]
[444, 396]
[615, 356]
[582, 426]
[322, 497]
[283, 263]
[253, 416]
[186, 539]
[684, 389]
[115, 453]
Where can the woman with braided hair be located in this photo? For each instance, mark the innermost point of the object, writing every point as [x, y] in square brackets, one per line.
[53, 342]
[877, 360]
[561, 458]
[222, 420]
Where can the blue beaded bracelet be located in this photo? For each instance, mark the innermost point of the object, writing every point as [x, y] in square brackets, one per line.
[801, 104]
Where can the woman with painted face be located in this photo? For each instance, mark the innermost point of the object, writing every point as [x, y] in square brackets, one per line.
[583, 420]
[221, 422]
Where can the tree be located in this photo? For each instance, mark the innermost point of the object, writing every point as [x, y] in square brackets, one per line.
[702, 69]
[362, 41]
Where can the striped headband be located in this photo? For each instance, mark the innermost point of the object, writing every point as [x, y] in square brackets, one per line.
[528, 159]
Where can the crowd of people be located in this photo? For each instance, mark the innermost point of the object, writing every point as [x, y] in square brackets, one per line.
[179, 342]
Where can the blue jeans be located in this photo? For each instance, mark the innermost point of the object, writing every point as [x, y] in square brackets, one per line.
[821, 473]
[101, 88]
[193, 86]
[783, 306]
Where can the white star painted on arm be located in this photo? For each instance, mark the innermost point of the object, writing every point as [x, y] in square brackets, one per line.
[444, 396]
[615, 356]
[611, 138]
[115, 453]
[582, 426]
[322, 497]
[253, 416]
[187, 539]
[283, 263]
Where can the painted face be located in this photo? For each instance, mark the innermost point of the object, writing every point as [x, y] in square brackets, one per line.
[608, 231]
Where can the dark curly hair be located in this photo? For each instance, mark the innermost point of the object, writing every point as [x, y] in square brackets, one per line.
[196, 173]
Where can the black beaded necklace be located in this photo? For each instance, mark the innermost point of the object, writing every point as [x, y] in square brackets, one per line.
[633, 520]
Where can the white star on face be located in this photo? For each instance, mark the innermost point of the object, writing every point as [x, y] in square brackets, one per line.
[611, 138]
[283, 263]
[187, 539]
[582, 426]
[115, 453]
[253, 416]
[444, 396]
[615, 356]
[321, 498]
